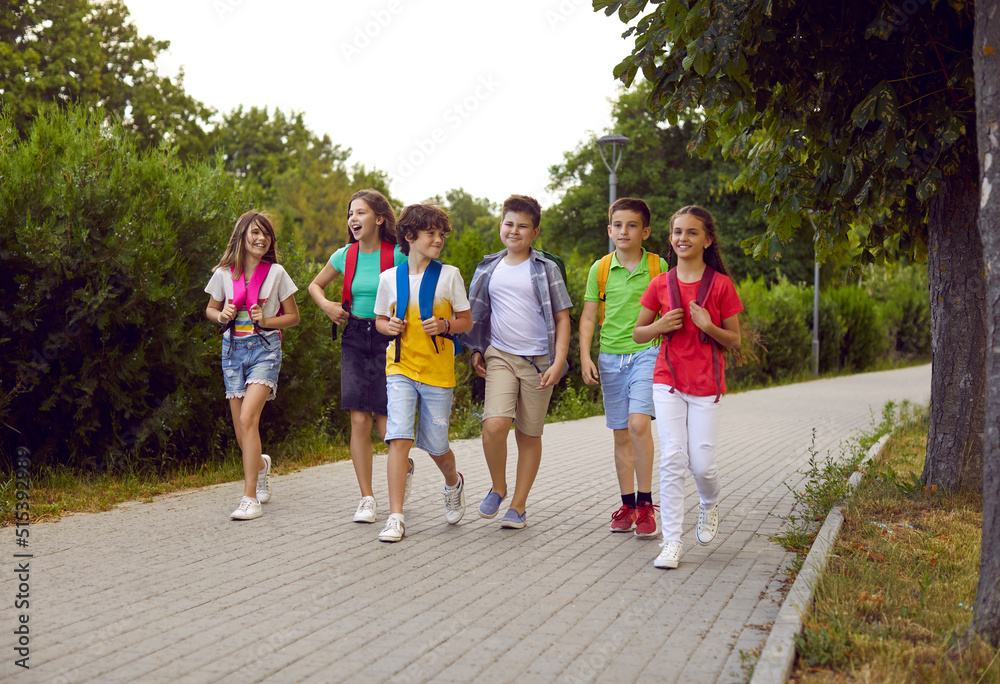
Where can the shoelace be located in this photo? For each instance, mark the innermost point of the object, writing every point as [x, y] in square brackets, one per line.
[367, 505]
[452, 500]
[621, 513]
[703, 518]
[393, 525]
[646, 512]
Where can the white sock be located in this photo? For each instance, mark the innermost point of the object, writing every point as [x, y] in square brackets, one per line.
[247, 498]
[397, 515]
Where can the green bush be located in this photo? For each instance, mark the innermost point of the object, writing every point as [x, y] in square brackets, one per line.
[902, 294]
[778, 316]
[864, 337]
[106, 252]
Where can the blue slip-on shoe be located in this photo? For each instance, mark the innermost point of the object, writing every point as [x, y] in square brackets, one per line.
[491, 504]
[514, 520]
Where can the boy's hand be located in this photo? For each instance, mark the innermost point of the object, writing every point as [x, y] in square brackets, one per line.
[700, 317]
[552, 374]
[335, 312]
[589, 371]
[477, 364]
[434, 326]
[395, 326]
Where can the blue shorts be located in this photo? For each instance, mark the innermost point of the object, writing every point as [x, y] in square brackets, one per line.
[249, 360]
[430, 405]
[627, 385]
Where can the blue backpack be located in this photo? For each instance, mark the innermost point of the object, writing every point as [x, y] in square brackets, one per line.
[425, 300]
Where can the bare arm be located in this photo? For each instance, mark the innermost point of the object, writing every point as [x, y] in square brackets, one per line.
[647, 329]
[588, 321]
[215, 308]
[288, 319]
[553, 374]
[333, 310]
[460, 324]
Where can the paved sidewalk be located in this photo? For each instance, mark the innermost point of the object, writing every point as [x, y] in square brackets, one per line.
[173, 591]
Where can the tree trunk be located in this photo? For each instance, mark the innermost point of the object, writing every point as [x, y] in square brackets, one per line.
[958, 334]
[986, 63]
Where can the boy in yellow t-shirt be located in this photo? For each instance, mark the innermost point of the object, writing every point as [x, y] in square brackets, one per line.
[420, 361]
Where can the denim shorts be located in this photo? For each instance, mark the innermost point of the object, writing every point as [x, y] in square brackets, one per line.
[430, 405]
[250, 360]
[627, 385]
[362, 367]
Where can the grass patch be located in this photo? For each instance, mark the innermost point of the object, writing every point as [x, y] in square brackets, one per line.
[59, 491]
[894, 600]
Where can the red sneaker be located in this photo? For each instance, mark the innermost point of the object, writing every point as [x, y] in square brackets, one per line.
[645, 520]
[623, 520]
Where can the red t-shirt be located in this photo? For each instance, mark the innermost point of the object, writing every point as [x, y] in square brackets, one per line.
[692, 360]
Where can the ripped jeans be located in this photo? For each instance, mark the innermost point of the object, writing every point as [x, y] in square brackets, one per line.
[251, 360]
[429, 405]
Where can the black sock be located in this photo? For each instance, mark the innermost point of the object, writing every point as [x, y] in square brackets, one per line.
[628, 500]
[645, 497]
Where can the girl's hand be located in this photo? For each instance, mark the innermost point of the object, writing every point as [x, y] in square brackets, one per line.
[435, 326]
[335, 312]
[257, 314]
[227, 314]
[700, 317]
[395, 326]
[670, 321]
[478, 365]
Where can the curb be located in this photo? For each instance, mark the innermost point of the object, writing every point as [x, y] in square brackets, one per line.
[775, 662]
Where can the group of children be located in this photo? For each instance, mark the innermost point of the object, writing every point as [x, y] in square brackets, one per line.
[404, 315]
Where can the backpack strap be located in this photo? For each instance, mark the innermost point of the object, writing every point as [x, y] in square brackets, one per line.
[402, 300]
[603, 269]
[247, 296]
[350, 267]
[674, 301]
[653, 264]
[425, 300]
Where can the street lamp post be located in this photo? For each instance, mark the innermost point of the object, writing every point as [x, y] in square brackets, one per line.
[815, 340]
[616, 142]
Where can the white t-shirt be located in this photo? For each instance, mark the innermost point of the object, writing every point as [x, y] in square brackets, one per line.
[276, 288]
[516, 322]
[419, 359]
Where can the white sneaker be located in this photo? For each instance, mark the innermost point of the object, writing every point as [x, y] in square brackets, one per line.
[263, 481]
[367, 510]
[394, 529]
[454, 501]
[409, 480]
[708, 525]
[248, 510]
[670, 556]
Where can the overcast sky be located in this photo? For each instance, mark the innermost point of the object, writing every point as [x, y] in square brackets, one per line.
[440, 94]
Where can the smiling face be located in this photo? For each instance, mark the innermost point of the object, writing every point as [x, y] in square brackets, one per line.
[688, 238]
[517, 232]
[428, 243]
[257, 241]
[362, 221]
[626, 231]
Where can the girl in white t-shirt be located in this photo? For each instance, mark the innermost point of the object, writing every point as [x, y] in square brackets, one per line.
[250, 295]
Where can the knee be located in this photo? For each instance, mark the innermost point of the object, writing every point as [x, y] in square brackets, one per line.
[496, 427]
[361, 421]
[638, 425]
[248, 423]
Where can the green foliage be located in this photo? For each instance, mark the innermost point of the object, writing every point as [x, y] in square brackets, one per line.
[778, 316]
[864, 336]
[89, 53]
[106, 252]
[856, 115]
[657, 168]
[902, 293]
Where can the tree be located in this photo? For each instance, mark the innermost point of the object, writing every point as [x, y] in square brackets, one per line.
[861, 113]
[302, 177]
[657, 168]
[90, 53]
[986, 59]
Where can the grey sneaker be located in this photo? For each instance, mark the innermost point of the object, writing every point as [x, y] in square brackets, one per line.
[264, 481]
[670, 556]
[708, 525]
[409, 480]
[367, 510]
[247, 510]
[454, 501]
[394, 529]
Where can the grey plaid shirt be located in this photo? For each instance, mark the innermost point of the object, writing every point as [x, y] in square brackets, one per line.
[549, 289]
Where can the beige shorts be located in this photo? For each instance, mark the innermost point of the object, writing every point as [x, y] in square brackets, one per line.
[511, 390]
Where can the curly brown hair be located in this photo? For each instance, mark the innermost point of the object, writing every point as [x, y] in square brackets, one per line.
[418, 217]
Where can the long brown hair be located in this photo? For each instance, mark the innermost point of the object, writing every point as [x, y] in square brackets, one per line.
[713, 253]
[377, 202]
[235, 254]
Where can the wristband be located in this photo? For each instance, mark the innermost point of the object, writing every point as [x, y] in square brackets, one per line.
[447, 326]
[219, 319]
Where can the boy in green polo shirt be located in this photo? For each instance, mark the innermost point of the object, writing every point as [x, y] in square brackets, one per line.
[624, 368]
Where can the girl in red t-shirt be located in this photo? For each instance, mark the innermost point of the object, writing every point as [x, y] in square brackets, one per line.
[689, 375]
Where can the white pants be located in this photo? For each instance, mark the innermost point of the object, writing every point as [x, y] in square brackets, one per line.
[687, 426]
